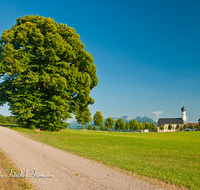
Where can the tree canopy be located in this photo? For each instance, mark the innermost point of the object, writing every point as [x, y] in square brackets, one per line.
[147, 125]
[127, 126]
[120, 125]
[98, 118]
[47, 74]
[134, 125]
[153, 127]
[109, 123]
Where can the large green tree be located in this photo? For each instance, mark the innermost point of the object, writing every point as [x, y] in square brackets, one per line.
[98, 118]
[109, 123]
[47, 74]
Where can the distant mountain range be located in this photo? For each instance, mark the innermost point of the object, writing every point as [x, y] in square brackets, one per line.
[75, 125]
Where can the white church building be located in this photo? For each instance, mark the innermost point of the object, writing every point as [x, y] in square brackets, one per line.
[174, 121]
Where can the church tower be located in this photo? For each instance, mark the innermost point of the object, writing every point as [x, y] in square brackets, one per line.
[183, 111]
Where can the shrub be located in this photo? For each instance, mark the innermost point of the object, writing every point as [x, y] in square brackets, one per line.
[162, 127]
[90, 127]
[95, 128]
[177, 126]
[102, 127]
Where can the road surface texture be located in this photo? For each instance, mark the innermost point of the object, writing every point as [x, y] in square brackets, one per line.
[50, 168]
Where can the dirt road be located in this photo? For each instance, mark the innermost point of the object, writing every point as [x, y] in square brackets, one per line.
[51, 168]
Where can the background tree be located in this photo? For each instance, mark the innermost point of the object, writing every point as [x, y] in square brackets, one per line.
[153, 127]
[143, 126]
[177, 126]
[150, 127]
[90, 127]
[136, 128]
[95, 128]
[192, 126]
[120, 125]
[162, 127]
[109, 123]
[11, 119]
[198, 127]
[140, 126]
[184, 126]
[84, 117]
[102, 127]
[147, 125]
[133, 124]
[47, 74]
[170, 126]
[127, 126]
[98, 118]
[2, 119]
[106, 128]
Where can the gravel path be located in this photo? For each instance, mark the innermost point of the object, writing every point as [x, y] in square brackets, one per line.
[61, 170]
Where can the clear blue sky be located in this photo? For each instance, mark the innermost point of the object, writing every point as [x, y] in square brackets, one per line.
[147, 53]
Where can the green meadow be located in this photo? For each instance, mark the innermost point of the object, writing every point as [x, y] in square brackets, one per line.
[173, 158]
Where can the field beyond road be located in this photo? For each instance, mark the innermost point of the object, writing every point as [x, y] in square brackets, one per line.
[169, 157]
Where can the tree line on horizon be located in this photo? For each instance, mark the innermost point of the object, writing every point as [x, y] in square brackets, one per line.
[119, 125]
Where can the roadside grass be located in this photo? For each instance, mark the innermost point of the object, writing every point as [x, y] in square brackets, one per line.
[8, 182]
[173, 158]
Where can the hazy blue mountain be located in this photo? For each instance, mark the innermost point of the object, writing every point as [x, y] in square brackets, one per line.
[75, 125]
[145, 119]
[125, 118]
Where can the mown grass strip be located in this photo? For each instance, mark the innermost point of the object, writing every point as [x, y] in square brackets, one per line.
[170, 157]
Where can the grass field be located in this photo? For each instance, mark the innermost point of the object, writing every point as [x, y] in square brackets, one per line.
[170, 157]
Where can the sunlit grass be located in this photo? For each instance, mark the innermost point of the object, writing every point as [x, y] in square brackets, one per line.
[170, 157]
